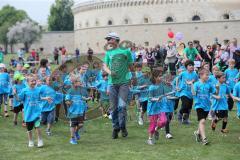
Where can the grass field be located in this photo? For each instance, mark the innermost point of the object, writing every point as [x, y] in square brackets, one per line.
[96, 142]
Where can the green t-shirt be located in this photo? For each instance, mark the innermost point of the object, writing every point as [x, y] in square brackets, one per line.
[118, 61]
[1, 57]
[191, 53]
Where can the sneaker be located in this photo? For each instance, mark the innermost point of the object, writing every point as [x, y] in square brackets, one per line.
[124, 132]
[224, 130]
[115, 133]
[14, 123]
[110, 116]
[197, 136]
[150, 142]
[73, 141]
[30, 144]
[156, 135]
[40, 143]
[169, 136]
[205, 141]
[140, 121]
[77, 135]
[6, 114]
[48, 132]
[213, 125]
[105, 116]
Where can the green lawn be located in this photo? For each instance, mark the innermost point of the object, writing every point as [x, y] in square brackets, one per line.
[96, 142]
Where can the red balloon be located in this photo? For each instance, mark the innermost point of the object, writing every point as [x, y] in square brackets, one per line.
[170, 34]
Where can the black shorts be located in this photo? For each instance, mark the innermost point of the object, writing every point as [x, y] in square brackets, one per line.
[74, 122]
[10, 96]
[18, 108]
[221, 113]
[201, 114]
[35, 124]
[144, 106]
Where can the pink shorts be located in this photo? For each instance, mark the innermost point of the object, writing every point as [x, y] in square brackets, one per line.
[158, 120]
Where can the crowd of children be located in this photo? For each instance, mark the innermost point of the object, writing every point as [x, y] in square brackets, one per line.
[40, 96]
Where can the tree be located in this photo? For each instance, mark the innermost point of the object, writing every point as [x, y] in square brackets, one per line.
[25, 32]
[8, 17]
[61, 16]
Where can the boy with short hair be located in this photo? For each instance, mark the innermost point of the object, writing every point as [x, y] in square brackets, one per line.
[219, 103]
[75, 100]
[231, 74]
[48, 95]
[202, 91]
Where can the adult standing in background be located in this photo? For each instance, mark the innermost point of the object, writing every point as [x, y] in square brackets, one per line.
[117, 63]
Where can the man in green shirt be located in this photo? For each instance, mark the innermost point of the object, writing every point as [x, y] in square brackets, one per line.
[117, 63]
[190, 53]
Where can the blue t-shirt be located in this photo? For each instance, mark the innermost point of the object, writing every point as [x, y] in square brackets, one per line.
[177, 94]
[155, 91]
[78, 106]
[236, 93]
[203, 92]
[221, 104]
[102, 87]
[31, 101]
[230, 77]
[143, 95]
[19, 88]
[167, 105]
[59, 98]
[212, 80]
[185, 88]
[4, 83]
[47, 91]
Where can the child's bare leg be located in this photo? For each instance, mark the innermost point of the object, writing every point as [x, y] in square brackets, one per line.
[39, 134]
[15, 116]
[30, 137]
[201, 128]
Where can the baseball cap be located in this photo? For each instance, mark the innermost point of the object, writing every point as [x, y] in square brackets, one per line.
[112, 35]
[18, 76]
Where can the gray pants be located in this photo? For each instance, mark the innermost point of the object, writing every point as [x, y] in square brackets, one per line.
[118, 102]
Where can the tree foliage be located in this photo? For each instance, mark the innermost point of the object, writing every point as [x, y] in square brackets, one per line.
[25, 32]
[8, 17]
[61, 16]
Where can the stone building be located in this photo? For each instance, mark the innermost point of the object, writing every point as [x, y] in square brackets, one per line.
[146, 22]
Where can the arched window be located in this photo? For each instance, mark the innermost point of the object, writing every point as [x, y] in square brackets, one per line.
[169, 19]
[87, 24]
[110, 22]
[196, 18]
[126, 21]
[97, 23]
[146, 20]
[226, 16]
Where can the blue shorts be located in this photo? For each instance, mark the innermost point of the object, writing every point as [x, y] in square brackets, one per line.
[48, 117]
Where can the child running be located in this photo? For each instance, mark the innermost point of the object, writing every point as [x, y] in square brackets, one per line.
[157, 118]
[32, 109]
[75, 99]
[202, 91]
[219, 104]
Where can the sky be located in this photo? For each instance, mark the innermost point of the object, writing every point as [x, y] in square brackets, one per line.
[38, 10]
